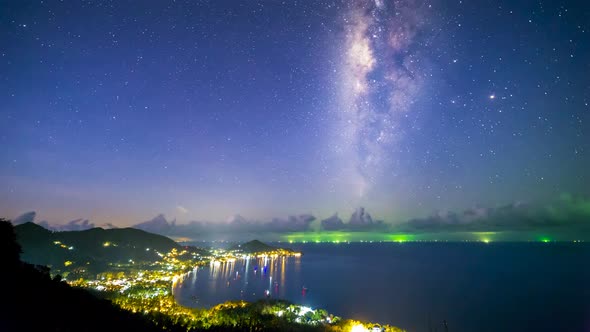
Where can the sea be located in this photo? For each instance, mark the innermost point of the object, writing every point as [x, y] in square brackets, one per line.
[415, 286]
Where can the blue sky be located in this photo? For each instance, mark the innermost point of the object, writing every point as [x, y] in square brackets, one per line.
[118, 111]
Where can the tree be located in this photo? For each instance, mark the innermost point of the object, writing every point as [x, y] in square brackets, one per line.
[10, 250]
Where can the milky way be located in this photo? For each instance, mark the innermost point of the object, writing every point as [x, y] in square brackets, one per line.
[381, 77]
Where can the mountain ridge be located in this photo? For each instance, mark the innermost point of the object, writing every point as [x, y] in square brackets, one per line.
[92, 247]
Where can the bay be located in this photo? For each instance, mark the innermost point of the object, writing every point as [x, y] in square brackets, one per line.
[416, 286]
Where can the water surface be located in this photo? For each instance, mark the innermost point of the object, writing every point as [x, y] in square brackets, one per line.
[473, 286]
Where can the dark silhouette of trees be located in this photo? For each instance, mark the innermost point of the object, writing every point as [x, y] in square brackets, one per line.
[33, 301]
[10, 250]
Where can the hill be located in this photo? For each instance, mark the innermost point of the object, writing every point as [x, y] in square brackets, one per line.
[90, 248]
[256, 246]
[39, 303]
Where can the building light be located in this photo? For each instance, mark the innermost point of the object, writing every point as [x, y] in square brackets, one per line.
[358, 328]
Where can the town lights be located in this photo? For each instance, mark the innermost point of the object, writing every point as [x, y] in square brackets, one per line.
[358, 328]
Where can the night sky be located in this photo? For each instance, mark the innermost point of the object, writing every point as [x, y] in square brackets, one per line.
[118, 110]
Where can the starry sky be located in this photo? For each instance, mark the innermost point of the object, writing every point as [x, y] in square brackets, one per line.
[119, 110]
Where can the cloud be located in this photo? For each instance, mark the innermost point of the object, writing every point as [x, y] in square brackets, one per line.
[332, 223]
[360, 217]
[566, 213]
[298, 223]
[182, 209]
[234, 224]
[74, 225]
[158, 224]
[237, 219]
[108, 226]
[44, 224]
[360, 220]
[24, 218]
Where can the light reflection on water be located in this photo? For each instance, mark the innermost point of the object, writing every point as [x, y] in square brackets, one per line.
[247, 279]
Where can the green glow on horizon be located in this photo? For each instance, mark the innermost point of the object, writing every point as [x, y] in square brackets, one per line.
[401, 238]
[344, 237]
[337, 237]
[485, 237]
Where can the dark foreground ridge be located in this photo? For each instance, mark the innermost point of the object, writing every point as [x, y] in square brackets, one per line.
[37, 302]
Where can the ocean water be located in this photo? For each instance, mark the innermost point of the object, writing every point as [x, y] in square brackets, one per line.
[416, 286]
